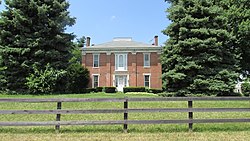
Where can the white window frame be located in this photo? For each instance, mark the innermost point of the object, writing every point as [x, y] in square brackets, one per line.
[146, 64]
[93, 80]
[125, 62]
[149, 80]
[98, 61]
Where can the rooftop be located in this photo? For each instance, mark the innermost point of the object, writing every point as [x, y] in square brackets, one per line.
[122, 42]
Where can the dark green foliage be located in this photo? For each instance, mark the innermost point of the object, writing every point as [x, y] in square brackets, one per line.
[155, 91]
[89, 90]
[238, 15]
[77, 75]
[109, 89]
[78, 78]
[245, 88]
[134, 89]
[99, 89]
[228, 94]
[44, 81]
[32, 32]
[199, 56]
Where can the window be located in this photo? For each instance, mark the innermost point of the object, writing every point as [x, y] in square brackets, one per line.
[146, 60]
[95, 81]
[95, 60]
[121, 62]
[147, 81]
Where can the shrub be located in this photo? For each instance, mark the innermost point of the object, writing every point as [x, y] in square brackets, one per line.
[166, 94]
[77, 78]
[134, 89]
[109, 89]
[155, 91]
[245, 88]
[44, 81]
[99, 89]
[228, 94]
[89, 90]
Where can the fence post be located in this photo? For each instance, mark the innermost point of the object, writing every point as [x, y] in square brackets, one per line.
[58, 116]
[125, 125]
[190, 116]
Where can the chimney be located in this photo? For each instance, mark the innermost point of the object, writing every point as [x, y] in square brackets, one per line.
[156, 41]
[88, 42]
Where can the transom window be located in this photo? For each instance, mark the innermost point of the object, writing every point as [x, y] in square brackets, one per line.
[121, 62]
[95, 60]
[146, 59]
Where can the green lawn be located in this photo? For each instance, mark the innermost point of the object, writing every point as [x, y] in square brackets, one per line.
[227, 131]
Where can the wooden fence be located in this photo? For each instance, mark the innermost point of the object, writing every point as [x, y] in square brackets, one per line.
[189, 110]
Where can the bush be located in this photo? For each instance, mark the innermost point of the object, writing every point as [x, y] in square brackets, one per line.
[44, 81]
[245, 88]
[134, 89]
[89, 90]
[99, 89]
[166, 94]
[228, 94]
[77, 78]
[109, 89]
[154, 91]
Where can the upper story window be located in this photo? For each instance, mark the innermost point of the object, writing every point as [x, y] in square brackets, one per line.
[146, 59]
[121, 62]
[95, 60]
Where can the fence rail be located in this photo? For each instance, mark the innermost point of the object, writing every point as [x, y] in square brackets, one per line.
[126, 110]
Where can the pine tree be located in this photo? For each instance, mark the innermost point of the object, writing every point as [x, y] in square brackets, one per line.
[199, 56]
[238, 14]
[32, 32]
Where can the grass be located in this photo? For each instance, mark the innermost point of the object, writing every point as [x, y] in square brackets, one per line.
[206, 132]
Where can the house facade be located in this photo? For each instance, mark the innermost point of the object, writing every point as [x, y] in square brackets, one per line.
[122, 63]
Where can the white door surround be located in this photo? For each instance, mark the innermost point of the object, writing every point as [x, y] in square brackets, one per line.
[120, 81]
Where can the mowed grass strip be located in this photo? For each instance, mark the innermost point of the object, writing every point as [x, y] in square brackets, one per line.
[218, 131]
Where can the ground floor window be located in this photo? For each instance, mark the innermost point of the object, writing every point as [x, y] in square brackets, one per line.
[95, 81]
[147, 81]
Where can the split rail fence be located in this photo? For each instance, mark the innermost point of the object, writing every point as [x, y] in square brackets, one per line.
[126, 110]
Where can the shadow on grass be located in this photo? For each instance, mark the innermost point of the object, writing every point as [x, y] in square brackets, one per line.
[131, 129]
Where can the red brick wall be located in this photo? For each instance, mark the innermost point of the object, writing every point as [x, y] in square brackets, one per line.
[136, 69]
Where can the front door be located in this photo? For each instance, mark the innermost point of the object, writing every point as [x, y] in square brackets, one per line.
[121, 81]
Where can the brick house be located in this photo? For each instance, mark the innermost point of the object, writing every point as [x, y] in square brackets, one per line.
[122, 63]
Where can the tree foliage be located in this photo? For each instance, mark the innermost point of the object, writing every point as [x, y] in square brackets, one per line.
[44, 81]
[78, 76]
[238, 15]
[32, 32]
[199, 56]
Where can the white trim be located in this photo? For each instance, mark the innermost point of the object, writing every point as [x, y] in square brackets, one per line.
[114, 81]
[93, 80]
[125, 61]
[94, 60]
[148, 60]
[147, 74]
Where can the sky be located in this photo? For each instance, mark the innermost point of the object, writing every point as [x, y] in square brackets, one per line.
[103, 20]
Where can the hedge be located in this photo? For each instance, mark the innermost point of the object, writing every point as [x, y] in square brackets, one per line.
[134, 89]
[109, 89]
[99, 89]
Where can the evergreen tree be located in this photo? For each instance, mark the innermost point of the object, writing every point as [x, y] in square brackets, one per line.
[199, 56]
[238, 14]
[32, 32]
